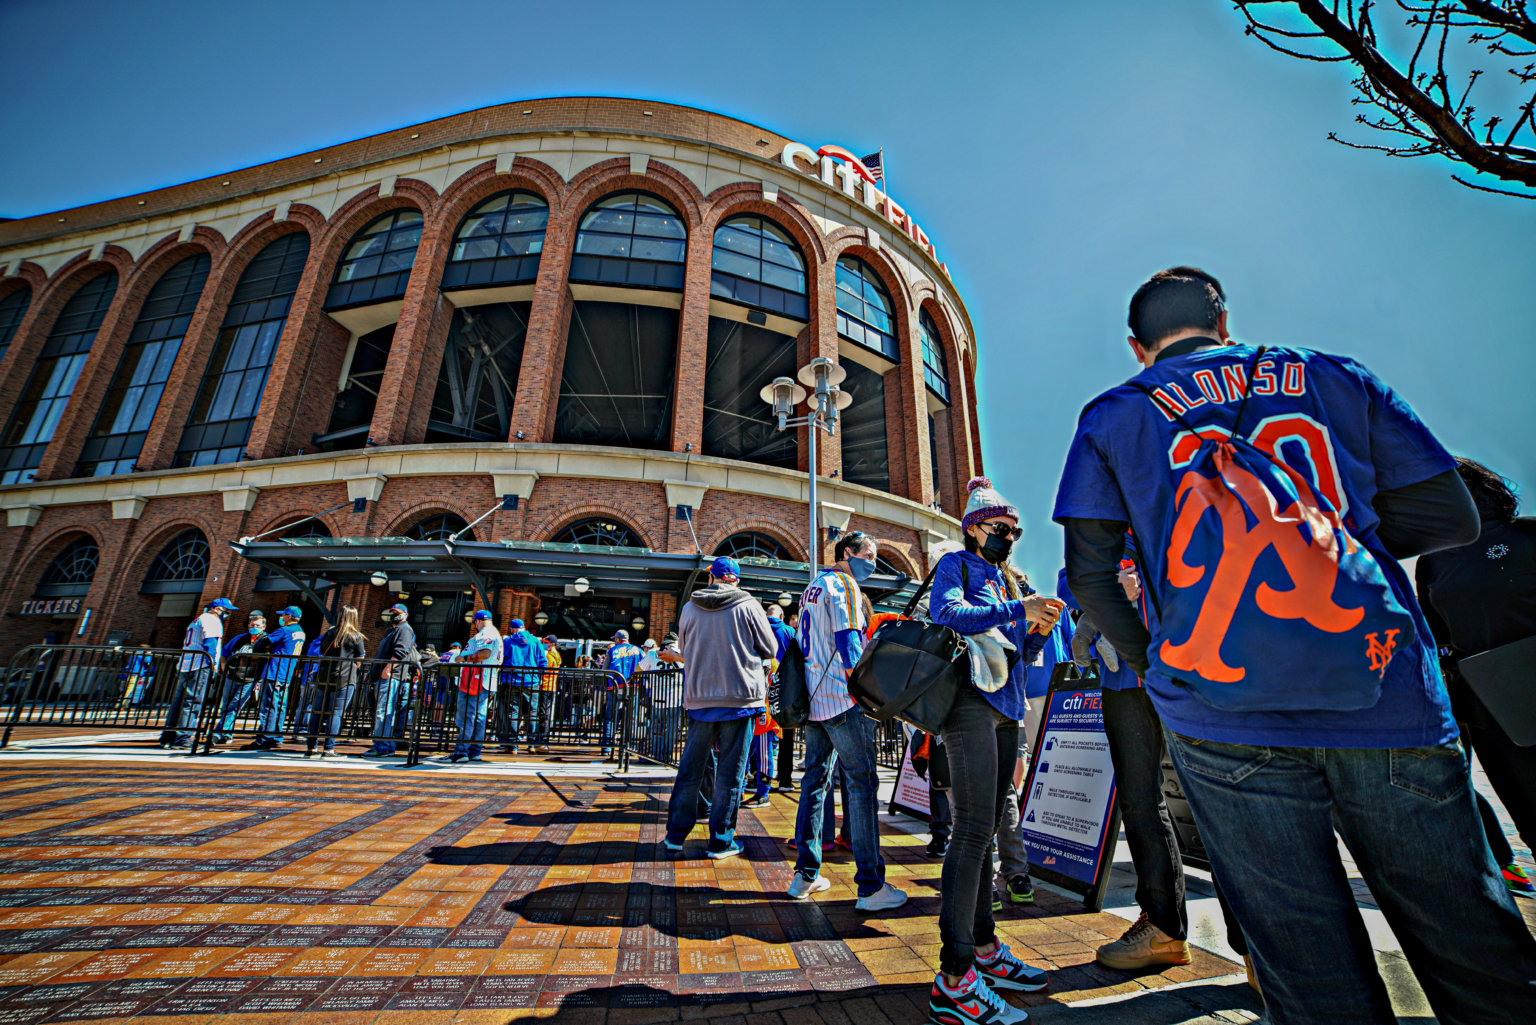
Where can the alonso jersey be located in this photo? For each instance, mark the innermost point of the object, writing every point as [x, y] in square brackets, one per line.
[828, 607]
[1333, 421]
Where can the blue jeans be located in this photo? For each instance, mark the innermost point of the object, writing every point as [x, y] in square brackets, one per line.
[469, 717]
[732, 736]
[1268, 817]
[386, 717]
[850, 740]
[186, 705]
[521, 716]
[272, 712]
[611, 701]
[328, 702]
[236, 694]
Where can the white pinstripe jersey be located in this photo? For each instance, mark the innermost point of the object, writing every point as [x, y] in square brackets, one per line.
[829, 605]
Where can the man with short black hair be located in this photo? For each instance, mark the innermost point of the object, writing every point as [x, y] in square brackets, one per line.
[1271, 493]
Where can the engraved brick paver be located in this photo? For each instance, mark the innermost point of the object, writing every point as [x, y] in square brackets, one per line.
[184, 894]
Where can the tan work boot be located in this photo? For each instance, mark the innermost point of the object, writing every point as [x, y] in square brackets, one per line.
[1142, 946]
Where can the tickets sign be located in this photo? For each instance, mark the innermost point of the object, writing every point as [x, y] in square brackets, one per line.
[50, 607]
[1069, 817]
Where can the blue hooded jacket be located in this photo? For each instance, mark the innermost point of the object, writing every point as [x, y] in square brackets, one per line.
[521, 648]
[969, 597]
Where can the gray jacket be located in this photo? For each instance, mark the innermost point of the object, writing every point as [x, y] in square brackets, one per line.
[725, 636]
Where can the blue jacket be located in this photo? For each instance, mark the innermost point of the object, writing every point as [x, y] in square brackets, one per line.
[623, 658]
[285, 640]
[521, 649]
[783, 634]
[969, 597]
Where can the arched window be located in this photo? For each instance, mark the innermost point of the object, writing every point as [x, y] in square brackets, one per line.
[53, 379]
[864, 308]
[180, 567]
[751, 545]
[739, 360]
[477, 382]
[305, 530]
[757, 263]
[599, 532]
[12, 308]
[70, 573]
[866, 454]
[134, 394]
[935, 368]
[377, 263]
[499, 242]
[439, 527]
[226, 403]
[631, 238]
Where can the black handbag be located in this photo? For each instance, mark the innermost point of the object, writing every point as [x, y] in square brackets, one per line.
[910, 670]
[792, 707]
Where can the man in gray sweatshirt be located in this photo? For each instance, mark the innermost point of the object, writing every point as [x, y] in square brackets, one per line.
[725, 637]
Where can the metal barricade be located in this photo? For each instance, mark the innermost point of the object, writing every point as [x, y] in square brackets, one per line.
[314, 700]
[655, 723]
[538, 711]
[83, 686]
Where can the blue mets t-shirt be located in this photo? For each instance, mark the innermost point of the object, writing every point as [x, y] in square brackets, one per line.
[1328, 418]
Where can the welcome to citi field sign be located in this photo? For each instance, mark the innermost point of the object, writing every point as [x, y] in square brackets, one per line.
[840, 170]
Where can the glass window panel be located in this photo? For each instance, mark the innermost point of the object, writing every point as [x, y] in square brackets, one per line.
[617, 221]
[508, 224]
[12, 309]
[395, 262]
[734, 263]
[603, 245]
[659, 226]
[780, 277]
[658, 249]
[405, 238]
[739, 242]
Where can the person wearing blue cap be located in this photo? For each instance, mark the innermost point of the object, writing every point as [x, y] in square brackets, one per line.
[392, 686]
[518, 700]
[725, 639]
[285, 644]
[477, 682]
[623, 658]
[204, 635]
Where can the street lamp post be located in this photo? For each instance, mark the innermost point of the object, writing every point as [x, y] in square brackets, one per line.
[822, 376]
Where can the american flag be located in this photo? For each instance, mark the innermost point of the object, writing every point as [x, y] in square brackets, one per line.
[872, 164]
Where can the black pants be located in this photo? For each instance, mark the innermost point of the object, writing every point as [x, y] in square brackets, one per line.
[1511, 769]
[982, 746]
[1136, 748]
[787, 759]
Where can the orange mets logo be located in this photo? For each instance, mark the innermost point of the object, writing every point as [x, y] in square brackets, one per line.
[1380, 654]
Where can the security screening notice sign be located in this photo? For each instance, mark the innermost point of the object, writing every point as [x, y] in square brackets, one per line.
[1069, 816]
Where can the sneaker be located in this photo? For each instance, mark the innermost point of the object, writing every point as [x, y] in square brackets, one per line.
[843, 842]
[377, 754]
[729, 851]
[938, 847]
[675, 848]
[887, 898]
[1020, 890]
[1004, 971]
[997, 900]
[756, 801]
[973, 1002]
[331, 755]
[801, 887]
[794, 844]
[1517, 881]
[186, 745]
[1142, 946]
[702, 819]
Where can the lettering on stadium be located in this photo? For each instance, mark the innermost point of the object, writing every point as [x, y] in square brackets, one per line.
[840, 170]
[50, 607]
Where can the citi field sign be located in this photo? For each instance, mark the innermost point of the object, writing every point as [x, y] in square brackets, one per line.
[840, 170]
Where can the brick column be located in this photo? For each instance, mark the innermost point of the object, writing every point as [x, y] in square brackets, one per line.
[692, 344]
[549, 323]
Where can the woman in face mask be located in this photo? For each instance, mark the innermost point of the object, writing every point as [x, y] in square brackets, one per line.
[1005, 625]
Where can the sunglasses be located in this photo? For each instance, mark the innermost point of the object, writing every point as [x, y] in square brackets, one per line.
[1003, 530]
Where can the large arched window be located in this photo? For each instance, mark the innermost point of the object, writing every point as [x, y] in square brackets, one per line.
[751, 545]
[477, 382]
[935, 367]
[631, 238]
[438, 527]
[70, 573]
[377, 263]
[866, 455]
[53, 379]
[226, 403]
[739, 360]
[180, 567]
[499, 242]
[757, 263]
[134, 394]
[12, 308]
[599, 532]
[864, 308]
[619, 372]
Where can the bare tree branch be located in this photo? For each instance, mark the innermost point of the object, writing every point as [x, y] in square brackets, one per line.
[1418, 104]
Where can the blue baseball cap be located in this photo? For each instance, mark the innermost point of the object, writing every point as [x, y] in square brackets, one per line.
[292, 611]
[482, 614]
[516, 624]
[725, 566]
[221, 603]
[397, 607]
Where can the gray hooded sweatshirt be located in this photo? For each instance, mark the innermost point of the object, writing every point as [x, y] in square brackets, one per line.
[725, 636]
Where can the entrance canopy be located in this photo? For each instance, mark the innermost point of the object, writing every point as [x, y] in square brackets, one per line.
[315, 565]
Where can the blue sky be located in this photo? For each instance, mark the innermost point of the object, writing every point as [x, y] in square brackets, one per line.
[1056, 153]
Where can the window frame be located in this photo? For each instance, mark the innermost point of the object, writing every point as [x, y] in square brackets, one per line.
[511, 268]
[608, 268]
[757, 292]
[176, 557]
[381, 285]
[935, 378]
[609, 527]
[854, 321]
[65, 580]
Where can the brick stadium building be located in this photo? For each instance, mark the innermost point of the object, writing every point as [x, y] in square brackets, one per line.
[548, 321]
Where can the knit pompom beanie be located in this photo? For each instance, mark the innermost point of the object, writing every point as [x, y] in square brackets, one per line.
[984, 503]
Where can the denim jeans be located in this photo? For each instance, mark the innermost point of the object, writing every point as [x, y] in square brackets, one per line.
[850, 739]
[469, 717]
[611, 700]
[186, 706]
[982, 746]
[330, 702]
[1268, 816]
[518, 715]
[386, 715]
[272, 711]
[236, 694]
[732, 737]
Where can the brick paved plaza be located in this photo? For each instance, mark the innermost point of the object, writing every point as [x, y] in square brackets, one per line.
[182, 892]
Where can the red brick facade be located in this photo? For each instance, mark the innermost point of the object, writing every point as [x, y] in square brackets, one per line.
[301, 385]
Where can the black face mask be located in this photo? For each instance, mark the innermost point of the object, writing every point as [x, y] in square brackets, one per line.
[996, 549]
[397, 619]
